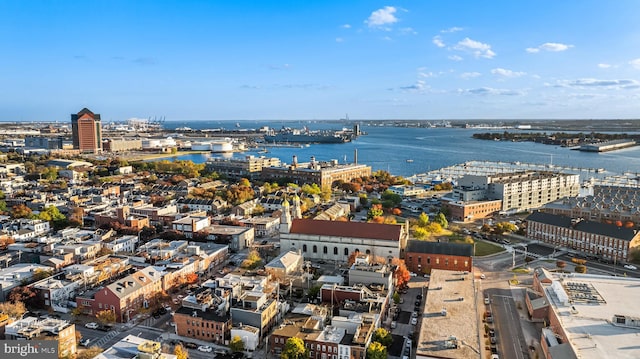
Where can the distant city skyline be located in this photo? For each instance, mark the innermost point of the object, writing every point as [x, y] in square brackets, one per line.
[315, 60]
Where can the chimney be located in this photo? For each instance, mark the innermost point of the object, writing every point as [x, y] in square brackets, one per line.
[295, 161]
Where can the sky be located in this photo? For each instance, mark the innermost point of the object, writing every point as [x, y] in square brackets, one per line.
[314, 60]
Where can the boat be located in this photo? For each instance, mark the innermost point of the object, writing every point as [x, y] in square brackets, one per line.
[290, 135]
[409, 160]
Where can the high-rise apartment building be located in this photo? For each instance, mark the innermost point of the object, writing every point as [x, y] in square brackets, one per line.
[86, 129]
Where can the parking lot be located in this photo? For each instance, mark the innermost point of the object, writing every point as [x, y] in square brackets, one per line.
[403, 326]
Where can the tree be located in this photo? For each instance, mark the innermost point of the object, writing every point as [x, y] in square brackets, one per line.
[13, 310]
[441, 220]
[311, 189]
[401, 273]
[180, 352]
[352, 257]
[106, 316]
[396, 211]
[382, 336]
[89, 353]
[376, 351]
[23, 294]
[314, 291]
[394, 199]
[423, 220]
[21, 211]
[561, 264]
[244, 182]
[294, 349]
[396, 297]
[375, 211]
[236, 344]
[40, 274]
[581, 268]
[253, 260]
[191, 278]
[420, 233]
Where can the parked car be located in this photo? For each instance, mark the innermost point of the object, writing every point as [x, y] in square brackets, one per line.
[630, 266]
[85, 342]
[105, 328]
[394, 325]
[414, 315]
[190, 345]
[205, 348]
[91, 325]
[419, 297]
[413, 274]
[414, 321]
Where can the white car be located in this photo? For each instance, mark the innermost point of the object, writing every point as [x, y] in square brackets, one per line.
[85, 342]
[413, 274]
[91, 325]
[482, 276]
[630, 266]
[205, 348]
[414, 321]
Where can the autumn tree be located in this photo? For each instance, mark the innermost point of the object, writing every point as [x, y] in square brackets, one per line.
[382, 336]
[504, 227]
[236, 344]
[420, 233]
[311, 189]
[191, 278]
[352, 257]
[396, 211]
[376, 351]
[40, 274]
[294, 349]
[375, 211]
[106, 316]
[89, 353]
[581, 268]
[21, 211]
[561, 264]
[423, 220]
[390, 220]
[253, 260]
[401, 273]
[26, 295]
[13, 310]
[180, 352]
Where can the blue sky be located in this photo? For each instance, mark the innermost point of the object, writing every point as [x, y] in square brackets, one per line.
[235, 60]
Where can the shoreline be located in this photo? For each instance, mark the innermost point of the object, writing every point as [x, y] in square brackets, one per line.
[141, 157]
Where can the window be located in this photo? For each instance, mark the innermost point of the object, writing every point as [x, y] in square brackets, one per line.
[325, 250]
[315, 249]
[335, 250]
[346, 251]
[304, 248]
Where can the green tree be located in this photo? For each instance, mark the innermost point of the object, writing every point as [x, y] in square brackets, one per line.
[52, 215]
[396, 199]
[382, 336]
[180, 352]
[376, 351]
[314, 291]
[420, 233]
[311, 189]
[396, 297]
[3, 206]
[363, 199]
[294, 349]
[236, 344]
[441, 220]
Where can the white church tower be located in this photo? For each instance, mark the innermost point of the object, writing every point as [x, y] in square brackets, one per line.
[296, 210]
[285, 218]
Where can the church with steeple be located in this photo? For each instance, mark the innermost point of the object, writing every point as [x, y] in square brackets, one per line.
[290, 212]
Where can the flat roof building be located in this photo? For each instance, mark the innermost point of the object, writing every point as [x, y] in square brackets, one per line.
[446, 330]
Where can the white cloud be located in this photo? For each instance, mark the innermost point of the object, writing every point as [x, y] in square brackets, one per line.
[408, 31]
[604, 66]
[469, 75]
[635, 63]
[382, 17]
[346, 26]
[607, 84]
[420, 85]
[507, 73]
[437, 40]
[451, 29]
[477, 48]
[549, 46]
[485, 91]
[339, 39]
[455, 58]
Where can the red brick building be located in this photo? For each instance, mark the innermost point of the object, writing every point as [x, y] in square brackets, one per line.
[423, 256]
[203, 325]
[86, 131]
[472, 210]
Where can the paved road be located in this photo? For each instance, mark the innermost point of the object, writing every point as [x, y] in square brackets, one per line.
[511, 342]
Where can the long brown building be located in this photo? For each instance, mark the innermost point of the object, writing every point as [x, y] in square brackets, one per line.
[86, 131]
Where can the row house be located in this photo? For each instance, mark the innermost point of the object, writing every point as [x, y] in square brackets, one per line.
[122, 244]
[191, 224]
[208, 325]
[55, 293]
[607, 241]
[57, 331]
[263, 226]
[157, 215]
[198, 204]
[126, 296]
[123, 216]
[80, 251]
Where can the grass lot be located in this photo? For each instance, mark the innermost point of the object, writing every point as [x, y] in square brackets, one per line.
[141, 156]
[485, 248]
